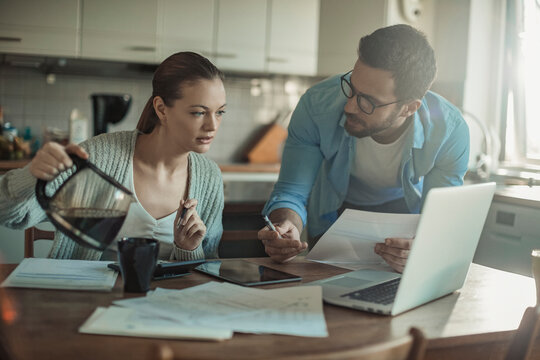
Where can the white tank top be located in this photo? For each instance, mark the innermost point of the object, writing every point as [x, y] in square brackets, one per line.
[139, 223]
[374, 177]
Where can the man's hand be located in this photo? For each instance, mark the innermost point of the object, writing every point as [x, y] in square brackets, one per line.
[284, 244]
[395, 252]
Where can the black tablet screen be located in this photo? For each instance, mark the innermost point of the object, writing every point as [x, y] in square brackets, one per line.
[245, 273]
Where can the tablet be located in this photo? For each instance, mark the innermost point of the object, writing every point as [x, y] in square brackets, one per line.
[168, 269]
[245, 273]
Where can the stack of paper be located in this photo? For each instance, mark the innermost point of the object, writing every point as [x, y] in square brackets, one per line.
[213, 310]
[350, 241]
[62, 274]
[122, 321]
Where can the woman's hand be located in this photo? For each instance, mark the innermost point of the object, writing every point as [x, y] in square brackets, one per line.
[53, 158]
[189, 230]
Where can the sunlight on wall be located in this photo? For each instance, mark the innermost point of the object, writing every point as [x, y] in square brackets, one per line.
[531, 58]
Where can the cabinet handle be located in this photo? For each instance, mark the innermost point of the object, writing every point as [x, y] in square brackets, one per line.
[277, 60]
[225, 55]
[142, 48]
[10, 39]
[218, 55]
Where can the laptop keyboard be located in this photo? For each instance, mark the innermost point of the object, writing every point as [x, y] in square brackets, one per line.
[383, 293]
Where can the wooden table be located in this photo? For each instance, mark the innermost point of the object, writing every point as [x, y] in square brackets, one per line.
[475, 322]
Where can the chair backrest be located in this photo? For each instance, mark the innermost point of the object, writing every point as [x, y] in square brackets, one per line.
[523, 340]
[32, 234]
[409, 347]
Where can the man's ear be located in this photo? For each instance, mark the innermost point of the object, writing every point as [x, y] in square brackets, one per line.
[159, 108]
[410, 108]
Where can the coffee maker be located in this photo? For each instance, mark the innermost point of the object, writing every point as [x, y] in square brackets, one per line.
[109, 109]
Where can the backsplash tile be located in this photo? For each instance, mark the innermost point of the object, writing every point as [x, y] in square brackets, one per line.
[28, 100]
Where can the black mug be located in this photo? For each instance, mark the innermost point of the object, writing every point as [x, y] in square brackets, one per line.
[137, 258]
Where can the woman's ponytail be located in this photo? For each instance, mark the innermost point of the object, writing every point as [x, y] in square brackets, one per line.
[149, 119]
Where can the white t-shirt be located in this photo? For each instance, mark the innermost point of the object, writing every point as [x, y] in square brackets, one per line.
[375, 170]
[139, 223]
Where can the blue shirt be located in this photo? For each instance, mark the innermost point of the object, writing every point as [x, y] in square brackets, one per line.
[318, 153]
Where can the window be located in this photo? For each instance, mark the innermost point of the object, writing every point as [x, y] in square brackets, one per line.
[520, 135]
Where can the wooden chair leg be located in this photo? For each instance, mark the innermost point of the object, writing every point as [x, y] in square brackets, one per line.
[29, 235]
[419, 346]
[523, 341]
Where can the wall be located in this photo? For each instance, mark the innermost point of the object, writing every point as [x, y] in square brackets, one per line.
[28, 100]
[483, 85]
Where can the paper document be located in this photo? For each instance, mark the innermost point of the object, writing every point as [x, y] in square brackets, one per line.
[351, 240]
[289, 311]
[62, 274]
[122, 321]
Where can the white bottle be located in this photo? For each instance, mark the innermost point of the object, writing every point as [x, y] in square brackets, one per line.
[78, 127]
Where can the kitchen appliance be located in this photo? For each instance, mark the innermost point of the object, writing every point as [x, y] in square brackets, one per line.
[89, 207]
[109, 109]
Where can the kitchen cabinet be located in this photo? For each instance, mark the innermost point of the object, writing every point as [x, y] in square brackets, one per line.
[511, 230]
[185, 25]
[241, 223]
[342, 24]
[304, 37]
[40, 27]
[241, 35]
[293, 37]
[119, 30]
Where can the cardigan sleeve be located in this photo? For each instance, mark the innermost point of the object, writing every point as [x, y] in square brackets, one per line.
[19, 208]
[214, 204]
[206, 185]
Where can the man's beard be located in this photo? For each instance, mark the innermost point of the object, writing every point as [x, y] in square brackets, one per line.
[366, 130]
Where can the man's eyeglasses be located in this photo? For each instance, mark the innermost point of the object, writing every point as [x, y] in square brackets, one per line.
[364, 102]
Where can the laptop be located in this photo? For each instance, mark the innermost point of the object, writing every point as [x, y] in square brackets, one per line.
[446, 238]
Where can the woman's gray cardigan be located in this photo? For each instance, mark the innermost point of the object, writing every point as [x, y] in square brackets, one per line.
[112, 154]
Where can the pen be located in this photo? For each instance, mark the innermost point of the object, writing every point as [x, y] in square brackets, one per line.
[179, 223]
[270, 225]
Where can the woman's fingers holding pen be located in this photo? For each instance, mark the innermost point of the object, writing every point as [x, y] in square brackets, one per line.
[190, 229]
[187, 209]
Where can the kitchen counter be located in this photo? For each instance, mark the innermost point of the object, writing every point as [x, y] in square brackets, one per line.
[250, 168]
[6, 165]
[519, 195]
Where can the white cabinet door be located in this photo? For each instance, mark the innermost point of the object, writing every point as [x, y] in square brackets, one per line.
[119, 30]
[294, 37]
[185, 25]
[342, 24]
[45, 27]
[241, 35]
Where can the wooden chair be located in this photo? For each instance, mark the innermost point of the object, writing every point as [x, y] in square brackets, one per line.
[409, 347]
[32, 234]
[522, 343]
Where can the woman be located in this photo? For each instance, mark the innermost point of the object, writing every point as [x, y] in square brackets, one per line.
[160, 162]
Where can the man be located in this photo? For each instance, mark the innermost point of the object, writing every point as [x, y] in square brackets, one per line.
[373, 139]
